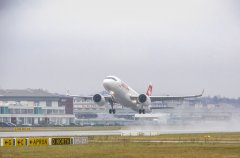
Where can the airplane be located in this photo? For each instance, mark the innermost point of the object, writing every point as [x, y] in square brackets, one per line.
[120, 92]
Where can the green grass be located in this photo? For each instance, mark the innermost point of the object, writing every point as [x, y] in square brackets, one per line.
[231, 136]
[126, 150]
[121, 147]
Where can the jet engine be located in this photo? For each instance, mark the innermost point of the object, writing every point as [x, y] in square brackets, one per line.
[144, 100]
[99, 99]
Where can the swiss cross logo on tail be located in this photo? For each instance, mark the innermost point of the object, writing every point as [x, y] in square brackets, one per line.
[149, 90]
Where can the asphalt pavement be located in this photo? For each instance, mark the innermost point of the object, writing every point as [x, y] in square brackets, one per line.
[102, 132]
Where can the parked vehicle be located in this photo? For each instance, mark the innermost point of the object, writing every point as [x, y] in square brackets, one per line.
[26, 125]
[11, 124]
[73, 124]
[4, 124]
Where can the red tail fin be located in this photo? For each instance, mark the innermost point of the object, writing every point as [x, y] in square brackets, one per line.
[149, 90]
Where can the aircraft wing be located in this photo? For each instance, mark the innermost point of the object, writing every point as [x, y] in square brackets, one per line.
[165, 98]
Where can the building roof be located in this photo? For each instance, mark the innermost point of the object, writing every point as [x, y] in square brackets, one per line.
[27, 93]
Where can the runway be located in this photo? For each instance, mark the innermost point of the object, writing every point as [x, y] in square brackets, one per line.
[102, 132]
[58, 133]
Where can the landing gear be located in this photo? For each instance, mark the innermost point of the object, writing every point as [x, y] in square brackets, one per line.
[141, 111]
[111, 110]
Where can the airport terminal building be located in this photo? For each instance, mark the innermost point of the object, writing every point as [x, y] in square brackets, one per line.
[35, 107]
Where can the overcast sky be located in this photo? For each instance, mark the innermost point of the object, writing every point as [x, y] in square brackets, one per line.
[180, 46]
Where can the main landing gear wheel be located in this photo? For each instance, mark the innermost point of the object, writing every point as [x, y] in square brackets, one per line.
[141, 111]
[112, 111]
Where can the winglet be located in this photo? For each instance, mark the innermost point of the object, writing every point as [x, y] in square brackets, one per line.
[199, 95]
[149, 90]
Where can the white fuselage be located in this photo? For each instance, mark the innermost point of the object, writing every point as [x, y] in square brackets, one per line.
[121, 92]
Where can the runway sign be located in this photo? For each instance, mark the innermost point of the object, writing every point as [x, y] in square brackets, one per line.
[7, 141]
[80, 140]
[21, 141]
[38, 141]
[61, 141]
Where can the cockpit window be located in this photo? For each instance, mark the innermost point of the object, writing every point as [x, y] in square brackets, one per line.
[111, 78]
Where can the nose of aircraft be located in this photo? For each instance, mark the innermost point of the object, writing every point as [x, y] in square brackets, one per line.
[108, 83]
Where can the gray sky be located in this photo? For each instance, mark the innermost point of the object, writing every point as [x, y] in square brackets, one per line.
[181, 46]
